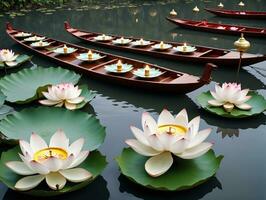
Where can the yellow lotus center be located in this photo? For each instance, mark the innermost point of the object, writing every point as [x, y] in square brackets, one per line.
[172, 129]
[46, 153]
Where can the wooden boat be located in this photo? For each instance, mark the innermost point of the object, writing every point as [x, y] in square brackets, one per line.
[202, 54]
[218, 28]
[168, 81]
[237, 13]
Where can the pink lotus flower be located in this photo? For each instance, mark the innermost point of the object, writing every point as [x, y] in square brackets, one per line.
[8, 57]
[65, 94]
[229, 96]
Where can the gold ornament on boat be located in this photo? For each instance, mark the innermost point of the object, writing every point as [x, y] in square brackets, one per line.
[242, 45]
[173, 13]
[147, 70]
[119, 66]
[196, 9]
[221, 5]
[241, 4]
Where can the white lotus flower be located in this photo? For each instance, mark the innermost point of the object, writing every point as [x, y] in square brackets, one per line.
[8, 57]
[63, 94]
[229, 96]
[55, 163]
[170, 136]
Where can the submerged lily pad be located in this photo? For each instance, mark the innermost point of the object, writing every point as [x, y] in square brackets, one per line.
[4, 109]
[46, 120]
[95, 163]
[257, 102]
[19, 60]
[184, 174]
[26, 85]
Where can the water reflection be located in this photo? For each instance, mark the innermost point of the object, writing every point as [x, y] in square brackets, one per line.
[95, 190]
[228, 132]
[143, 193]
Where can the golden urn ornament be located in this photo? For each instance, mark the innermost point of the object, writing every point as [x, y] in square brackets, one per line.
[242, 45]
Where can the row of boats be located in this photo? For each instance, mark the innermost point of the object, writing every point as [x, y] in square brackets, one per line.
[130, 72]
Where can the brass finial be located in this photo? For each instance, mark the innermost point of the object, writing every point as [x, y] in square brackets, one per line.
[221, 5]
[173, 13]
[242, 45]
[241, 4]
[196, 9]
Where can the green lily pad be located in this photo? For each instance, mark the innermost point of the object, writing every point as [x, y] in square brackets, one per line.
[95, 163]
[26, 85]
[19, 60]
[257, 102]
[46, 120]
[4, 109]
[183, 174]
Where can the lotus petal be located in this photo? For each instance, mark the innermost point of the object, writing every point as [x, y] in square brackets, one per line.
[196, 151]
[148, 121]
[60, 104]
[215, 103]
[38, 168]
[50, 95]
[139, 135]
[166, 118]
[243, 100]
[155, 143]
[19, 168]
[244, 106]
[178, 147]
[11, 63]
[167, 140]
[79, 159]
[25, 148]
[182, 118]
[141, 148]
[59, 140]
[76, 175]
[194, 126]
[53, 164]
[37, 143]
[29, 182]
[76, 100]
[66, 163]
[76, 147]
[158, 165]
[199, 138]
[228, 107]
[55, 181]
[70, 106]
[49, 102]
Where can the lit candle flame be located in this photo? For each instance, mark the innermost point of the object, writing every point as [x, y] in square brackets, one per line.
[119, 65]
[147, 70]
[90, 54]
[161, 45]
[65, 48]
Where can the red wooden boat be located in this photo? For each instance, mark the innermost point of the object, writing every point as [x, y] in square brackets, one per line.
[237, 13]
[202, 54]
[218, 28]
[168, 81]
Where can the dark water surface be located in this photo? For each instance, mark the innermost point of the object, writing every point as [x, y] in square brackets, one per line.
[242, 174]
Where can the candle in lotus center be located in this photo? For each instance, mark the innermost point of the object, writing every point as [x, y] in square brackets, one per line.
[122, 40]
[65, 48]
[103, 36]
[185, 47]
[141, 41]
[40, 43]
[147, 70]
[35, 37]
[43, 154]
[220, 5]
[172, 129]
[119, 65]
[161, 45]
[89, 55]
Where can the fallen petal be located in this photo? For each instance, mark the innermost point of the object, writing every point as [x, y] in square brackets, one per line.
[158, 165]
[55, 181]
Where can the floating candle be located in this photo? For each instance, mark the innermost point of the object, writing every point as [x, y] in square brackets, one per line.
[196, 9]
[89, 55]
[141, 41]
[35, 37]
[161, 45]
[147, 70]
[185, 47]
[122, 40]
[103, 36]
[40, 43]
[221, 5]
[43, 154]
[119, 65]
[65, 48]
